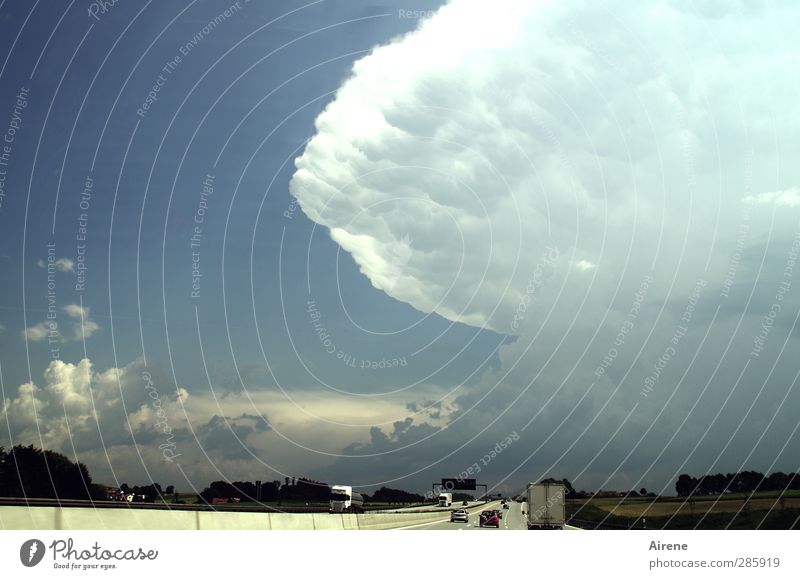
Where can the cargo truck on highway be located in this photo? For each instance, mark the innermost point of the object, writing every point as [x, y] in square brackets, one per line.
[445, 499]
[344, 500]
[546, 505]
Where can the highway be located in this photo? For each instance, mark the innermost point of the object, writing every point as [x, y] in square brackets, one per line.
[418, 508]
[74, 517]
[513, 520]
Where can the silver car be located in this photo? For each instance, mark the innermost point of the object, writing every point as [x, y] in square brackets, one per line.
[459, 516]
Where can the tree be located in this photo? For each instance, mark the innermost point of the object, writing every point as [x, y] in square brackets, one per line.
[26, 471]
[304, 489]
[643, 492]
[170, 490]
[270, 491]
[218, 489]
[568, 490]
[387, 495]
[750, 480]
[685, 485]
[242, 490]
[151, 492]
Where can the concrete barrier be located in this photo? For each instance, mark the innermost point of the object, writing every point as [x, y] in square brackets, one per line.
[207, 521]
[350, 522]
[79, 518]
[122, 519]
[33, 518]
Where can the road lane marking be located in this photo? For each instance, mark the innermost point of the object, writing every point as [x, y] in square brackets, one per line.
[436, 522]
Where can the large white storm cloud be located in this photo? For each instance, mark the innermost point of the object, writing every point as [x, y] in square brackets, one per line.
[623, 135]
[614, 184]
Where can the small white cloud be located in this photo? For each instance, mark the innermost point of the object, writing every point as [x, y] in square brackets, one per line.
[61, 264]
[2, 328]
[85, 327]
[76, 311]
[584, 265]
[40, 331]
[82, 327]
[89, 327]
[785, 198]
[65, 264]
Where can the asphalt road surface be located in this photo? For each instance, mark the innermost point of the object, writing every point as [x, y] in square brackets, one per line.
[512, 520]
[455, 505]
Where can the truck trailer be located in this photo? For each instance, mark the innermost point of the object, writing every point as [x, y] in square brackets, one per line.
[546, 505]
[344, 500]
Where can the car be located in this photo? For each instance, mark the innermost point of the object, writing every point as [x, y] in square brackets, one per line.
[459, 516]
[505, 505]
[489, 519]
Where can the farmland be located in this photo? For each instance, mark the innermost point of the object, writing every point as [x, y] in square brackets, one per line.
[765, 510]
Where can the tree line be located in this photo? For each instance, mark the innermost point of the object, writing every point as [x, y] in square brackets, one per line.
[26, 471]
[295, 489]
[747, 481]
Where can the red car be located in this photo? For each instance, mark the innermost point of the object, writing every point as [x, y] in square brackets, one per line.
[489, 519]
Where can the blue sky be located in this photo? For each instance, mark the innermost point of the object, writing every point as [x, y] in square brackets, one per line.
[365, 243]
[237, 106]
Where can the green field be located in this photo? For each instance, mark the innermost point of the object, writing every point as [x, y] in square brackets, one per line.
[761, 510]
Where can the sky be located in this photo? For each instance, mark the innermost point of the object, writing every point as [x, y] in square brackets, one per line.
[385, 243]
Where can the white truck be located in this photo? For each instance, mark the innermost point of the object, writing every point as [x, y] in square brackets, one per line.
[344, 500]
[445, 499]
[546, 505]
